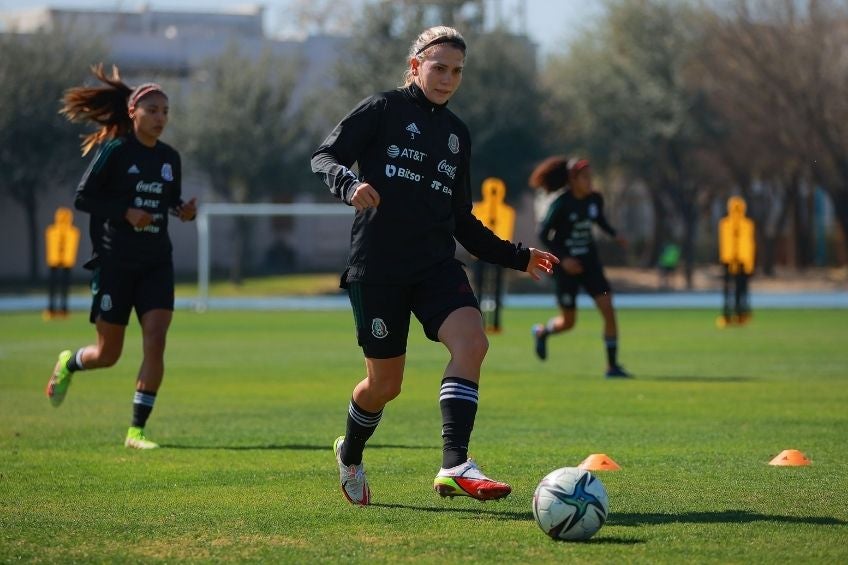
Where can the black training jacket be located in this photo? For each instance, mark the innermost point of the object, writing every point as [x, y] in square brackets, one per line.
[126, 174]
[416, 155]
[566, 230]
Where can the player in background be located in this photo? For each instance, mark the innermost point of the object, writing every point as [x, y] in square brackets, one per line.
[566, 231]
[129, 189]
[412, 196]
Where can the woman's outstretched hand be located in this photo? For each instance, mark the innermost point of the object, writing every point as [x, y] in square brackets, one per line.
[541, 262]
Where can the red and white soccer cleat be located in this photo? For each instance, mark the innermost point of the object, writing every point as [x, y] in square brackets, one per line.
[468, 480]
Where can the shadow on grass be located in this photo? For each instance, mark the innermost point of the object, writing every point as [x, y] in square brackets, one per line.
[702, 379]
[611, 540]
[287, 447]
[722, 517]
[503, 515]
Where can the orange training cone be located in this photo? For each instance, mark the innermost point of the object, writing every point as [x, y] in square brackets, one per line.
[791, 458]
[599, 462]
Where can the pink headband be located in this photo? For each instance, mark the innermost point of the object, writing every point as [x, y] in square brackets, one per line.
[142, 91]
[577, 165]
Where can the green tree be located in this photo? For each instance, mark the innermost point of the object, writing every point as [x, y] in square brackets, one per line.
[621, 93]
[375, 56]
[237, 129]
[39, 150]
[498, 99]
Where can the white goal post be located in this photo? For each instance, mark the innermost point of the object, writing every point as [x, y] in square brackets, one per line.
[206, 211]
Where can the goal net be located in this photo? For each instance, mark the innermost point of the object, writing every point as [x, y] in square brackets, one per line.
[317, 225]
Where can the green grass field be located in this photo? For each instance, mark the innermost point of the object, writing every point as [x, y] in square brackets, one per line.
[252, 402]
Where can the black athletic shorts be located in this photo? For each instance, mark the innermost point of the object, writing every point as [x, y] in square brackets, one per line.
[118, 288]
[592, 279]
[381, 311]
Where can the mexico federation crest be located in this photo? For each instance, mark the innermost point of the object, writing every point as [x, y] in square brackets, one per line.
[378, 328]
[453, 143]
[167, 172]
[106, 302]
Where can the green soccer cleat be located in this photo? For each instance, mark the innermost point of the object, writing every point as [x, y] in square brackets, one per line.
[57, 386]
[136, 440]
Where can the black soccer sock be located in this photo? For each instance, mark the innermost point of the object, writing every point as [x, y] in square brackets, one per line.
[458, 401]
[75, 362]
[360, 426]
[612, 350]
[142, 407]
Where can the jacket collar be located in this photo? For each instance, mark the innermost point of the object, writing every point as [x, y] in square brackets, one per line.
[414, 92]
[131, 138]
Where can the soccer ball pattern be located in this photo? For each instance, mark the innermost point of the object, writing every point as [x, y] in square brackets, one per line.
[570, 504]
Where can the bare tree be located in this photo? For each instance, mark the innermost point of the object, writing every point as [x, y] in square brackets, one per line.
[778, 73]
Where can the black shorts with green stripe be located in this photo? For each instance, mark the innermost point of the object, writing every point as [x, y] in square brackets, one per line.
[382, 311]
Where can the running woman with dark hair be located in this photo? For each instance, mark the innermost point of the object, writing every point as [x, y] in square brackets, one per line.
[129, 189]
[412, 196]
[566, 231]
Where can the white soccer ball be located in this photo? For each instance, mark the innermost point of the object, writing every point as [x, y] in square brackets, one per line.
[570, 504]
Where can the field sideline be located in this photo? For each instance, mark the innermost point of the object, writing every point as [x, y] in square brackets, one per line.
[252, 402]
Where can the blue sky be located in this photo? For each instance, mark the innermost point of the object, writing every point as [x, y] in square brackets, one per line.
[551, 23]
